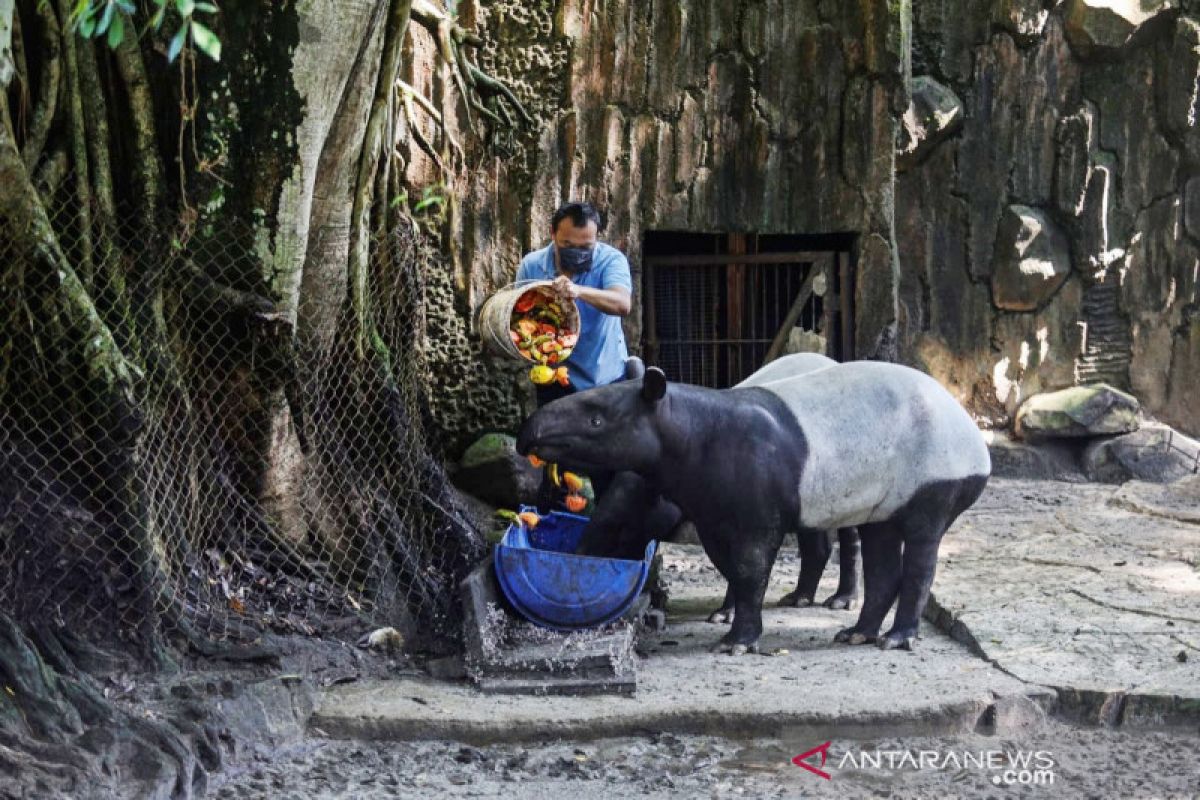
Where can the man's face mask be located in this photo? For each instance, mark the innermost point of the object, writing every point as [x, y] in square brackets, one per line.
[574, 259]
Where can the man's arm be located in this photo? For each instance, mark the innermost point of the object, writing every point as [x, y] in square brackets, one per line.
[615, 300]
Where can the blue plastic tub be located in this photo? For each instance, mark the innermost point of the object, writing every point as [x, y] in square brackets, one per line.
[550, 586]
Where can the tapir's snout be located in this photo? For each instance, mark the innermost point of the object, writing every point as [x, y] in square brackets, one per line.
[549, 433]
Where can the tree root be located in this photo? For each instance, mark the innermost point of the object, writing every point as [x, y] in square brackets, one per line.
[79, 159]
[51, 174]
[374, 150]
[54, 689]
[149, 169]
[43, 113]
[95, 115]
[475, 86]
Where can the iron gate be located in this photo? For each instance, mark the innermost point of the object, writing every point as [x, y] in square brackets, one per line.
[712, 320]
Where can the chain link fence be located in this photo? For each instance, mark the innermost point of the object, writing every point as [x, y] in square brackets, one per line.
[278, 476]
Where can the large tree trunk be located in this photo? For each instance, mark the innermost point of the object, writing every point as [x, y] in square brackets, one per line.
[208, 362]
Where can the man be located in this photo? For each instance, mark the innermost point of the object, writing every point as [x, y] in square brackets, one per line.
[597, 276]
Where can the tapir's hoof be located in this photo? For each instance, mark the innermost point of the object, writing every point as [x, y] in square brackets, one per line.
[843, 602]
[721, 615]
[796, 600]
[852, 636]
[896, 640]
[734, 649]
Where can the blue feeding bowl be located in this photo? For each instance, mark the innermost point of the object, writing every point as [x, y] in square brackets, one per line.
[550, 586]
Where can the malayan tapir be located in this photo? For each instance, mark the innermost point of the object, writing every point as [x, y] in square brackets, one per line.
[869, 444]
[632, 512]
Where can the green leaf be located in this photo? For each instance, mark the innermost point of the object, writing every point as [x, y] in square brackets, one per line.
[87, 24]
[177, 43]
[116, 31]
[157, 19]
[76, 12]
[427, 202]
[106, 18]
[207, 8]
[206, 40]
[126, 6]
[185, 7]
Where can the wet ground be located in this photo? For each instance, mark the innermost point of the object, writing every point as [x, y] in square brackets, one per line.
[1080, 600]
[1059, 762]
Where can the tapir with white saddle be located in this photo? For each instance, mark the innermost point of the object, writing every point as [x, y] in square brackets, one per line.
[632, 512]
[865, 444]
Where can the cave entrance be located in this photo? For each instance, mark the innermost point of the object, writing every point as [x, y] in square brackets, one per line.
[718, 306]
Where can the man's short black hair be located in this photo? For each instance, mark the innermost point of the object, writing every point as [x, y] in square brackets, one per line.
[580, 214]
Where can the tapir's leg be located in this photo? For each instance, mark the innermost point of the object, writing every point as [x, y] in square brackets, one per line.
[814, 555]
[881, 551]
[752, 573]
[717, 550]
[725, 612]
[920, 562]
[847, 570]
[922, 527]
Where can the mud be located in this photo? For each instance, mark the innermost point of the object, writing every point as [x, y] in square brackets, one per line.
[1080, 763]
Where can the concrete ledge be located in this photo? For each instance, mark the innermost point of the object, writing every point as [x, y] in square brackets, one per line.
[815, 689]
[387, 710]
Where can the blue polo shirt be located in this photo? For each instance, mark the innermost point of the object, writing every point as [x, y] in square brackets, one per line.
[599, 356]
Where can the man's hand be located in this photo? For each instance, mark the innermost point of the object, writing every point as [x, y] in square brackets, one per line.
[616, 301]
[566, 289]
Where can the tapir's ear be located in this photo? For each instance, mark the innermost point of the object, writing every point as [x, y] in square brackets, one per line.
[654, 385]
[634, 368]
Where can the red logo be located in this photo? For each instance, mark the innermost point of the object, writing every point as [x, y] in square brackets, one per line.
[800, 761]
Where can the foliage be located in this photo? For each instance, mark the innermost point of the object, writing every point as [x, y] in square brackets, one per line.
[93, 19]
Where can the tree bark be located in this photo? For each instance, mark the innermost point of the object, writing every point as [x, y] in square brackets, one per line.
[336, 79]
[8, 66]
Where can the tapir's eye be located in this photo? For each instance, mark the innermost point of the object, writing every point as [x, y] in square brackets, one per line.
[596, 422]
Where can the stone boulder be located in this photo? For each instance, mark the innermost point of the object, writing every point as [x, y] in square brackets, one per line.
[491, 470]
[1094, 410]
[1153, 453]
[934, 114]
[1105, 25]
[1032, 260]
[1049, 460]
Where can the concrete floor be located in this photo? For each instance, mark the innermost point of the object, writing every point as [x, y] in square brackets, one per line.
[1079, 600]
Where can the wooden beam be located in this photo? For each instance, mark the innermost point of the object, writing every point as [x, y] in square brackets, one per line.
[735, 304]
[846, 306]
[793, 315]
[799, 257]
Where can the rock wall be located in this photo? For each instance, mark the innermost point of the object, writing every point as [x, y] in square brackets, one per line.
[767, 116]
[1048, 201]
[1029, 221]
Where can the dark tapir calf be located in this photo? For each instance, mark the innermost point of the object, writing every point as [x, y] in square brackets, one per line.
[878, 446]
[632, 512]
